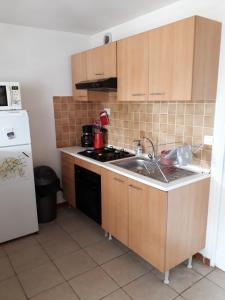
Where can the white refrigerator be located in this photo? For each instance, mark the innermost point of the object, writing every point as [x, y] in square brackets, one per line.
[18, 213]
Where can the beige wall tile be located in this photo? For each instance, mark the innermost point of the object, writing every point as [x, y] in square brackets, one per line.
[182, 122]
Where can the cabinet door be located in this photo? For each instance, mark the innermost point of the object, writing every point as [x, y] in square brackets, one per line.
[115, 205]
[147, 222]
[79, 73]
[68, 182]
[171, 53]
[132, 68]
[101, 62]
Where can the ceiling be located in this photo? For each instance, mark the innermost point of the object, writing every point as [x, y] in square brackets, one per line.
[78, 16]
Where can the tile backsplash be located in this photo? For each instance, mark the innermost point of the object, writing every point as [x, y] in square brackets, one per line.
[166, 123]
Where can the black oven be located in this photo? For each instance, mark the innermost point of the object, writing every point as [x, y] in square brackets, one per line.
[88, 193]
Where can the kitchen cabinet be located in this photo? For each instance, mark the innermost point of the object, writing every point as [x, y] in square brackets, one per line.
[183, 60]
[115, 205]
[132, 68]
[175, 62]
[101, 62]
[67, 167]
[165, 228]
[147, 222]
[79, 73]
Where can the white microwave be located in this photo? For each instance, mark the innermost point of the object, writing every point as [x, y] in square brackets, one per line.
[10, 97]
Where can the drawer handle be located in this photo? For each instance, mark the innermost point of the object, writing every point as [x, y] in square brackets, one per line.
[119, 180]
[99, 74]
[138, 94]
[82, 96]
[135, 187]
[157, 94]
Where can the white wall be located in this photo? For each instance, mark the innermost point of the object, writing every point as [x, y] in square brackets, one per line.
[214, 9]
[40, 60]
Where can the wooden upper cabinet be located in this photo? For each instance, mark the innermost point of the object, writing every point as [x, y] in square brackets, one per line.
[132, 68]
[183, 60]
[115, 205]
[79, 73]
[101, 62]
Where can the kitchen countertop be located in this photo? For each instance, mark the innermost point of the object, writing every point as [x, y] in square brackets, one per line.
[202, 174]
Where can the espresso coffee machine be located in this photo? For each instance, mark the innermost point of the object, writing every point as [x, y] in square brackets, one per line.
[87, 137]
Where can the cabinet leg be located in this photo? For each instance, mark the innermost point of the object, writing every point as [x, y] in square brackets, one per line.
[166, 279]
[110, 237]
[189, 265]
[106, 234]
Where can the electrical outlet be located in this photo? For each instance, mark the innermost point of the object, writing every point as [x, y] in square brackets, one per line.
[108, 111]
[208, 140]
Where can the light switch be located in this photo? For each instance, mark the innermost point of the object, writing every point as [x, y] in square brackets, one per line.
[208, 140]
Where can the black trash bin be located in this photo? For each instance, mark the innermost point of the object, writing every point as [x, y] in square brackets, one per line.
[47, 185]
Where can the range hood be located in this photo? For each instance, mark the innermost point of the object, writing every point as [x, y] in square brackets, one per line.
[104, 85]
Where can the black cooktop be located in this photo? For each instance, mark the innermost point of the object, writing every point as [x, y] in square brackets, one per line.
[106, 154]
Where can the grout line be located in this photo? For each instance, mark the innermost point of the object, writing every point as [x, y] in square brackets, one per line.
[213, 281]
[52, 261]
[203, 277]
[16, 275]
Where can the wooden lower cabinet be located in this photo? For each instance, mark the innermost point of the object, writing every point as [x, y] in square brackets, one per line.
[147, 222]
[165, 228]
[115, 205]
[67, 167]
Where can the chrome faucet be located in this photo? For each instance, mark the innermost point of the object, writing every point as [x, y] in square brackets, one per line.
[153, 154]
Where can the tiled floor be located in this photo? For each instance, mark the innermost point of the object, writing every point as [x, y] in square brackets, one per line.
[71, 259]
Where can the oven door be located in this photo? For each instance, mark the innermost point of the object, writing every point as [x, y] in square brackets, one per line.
[5, 97]
[88, 193]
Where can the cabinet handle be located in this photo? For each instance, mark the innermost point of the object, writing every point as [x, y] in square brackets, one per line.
[157, 94]
[99, 73]
[135, 187]
[119, 180]
[138, 94]
[82, 96]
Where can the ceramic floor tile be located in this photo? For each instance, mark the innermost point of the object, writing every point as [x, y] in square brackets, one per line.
[199, 267]
[20, 246]
[73, 223]
[104, 251]
[2, 252]
[74, 264]
[32, 257]
[218, 277]
[6, 270]
[149, 287]
[11, 289]
[117, 295]
[60, 292]
[142, 261]
[40, 279]
[61, 245]
[181, 277]
[125, 268]
[49, 231]
[93, 285]
[204, 290]
[88, 236]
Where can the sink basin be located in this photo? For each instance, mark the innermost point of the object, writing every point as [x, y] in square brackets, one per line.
[148, 168]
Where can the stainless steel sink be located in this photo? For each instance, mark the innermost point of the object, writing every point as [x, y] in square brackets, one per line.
[154, 170]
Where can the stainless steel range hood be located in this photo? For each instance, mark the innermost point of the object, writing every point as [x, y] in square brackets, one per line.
[104, 85]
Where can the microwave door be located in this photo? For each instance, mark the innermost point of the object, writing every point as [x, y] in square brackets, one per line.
[4, 96]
